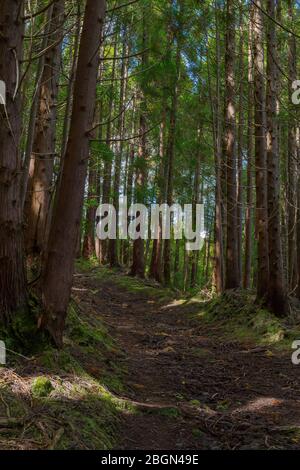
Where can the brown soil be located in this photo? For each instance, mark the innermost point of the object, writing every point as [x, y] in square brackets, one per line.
[191, 388]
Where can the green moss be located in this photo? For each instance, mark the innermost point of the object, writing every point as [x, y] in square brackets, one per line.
[223, 405]
[83, 416]
[140, 286]
[197, 433]
[83, 264]
[11, 404]
[22, 334]
[41, 387]
[89, 419]
[85, 334]
[130, 283]
[113, 381]
[240, 317]
[59, 360]
[168, 411]
[73, 394]
[195, 402]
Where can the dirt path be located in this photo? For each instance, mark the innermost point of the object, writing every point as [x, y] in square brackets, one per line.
[193, 390]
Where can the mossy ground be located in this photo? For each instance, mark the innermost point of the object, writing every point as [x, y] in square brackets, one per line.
[132, 284]
[74, 398]
[63, 399]
[239, 317]
[236, 312]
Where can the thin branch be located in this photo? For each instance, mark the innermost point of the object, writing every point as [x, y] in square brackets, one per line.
[126, 139]
[121, 6]
[275, 21]
[29, 17]
[126, 56]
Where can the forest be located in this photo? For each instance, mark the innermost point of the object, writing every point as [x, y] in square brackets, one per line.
[118, 334]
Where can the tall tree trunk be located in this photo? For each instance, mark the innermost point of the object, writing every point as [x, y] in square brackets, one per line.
[88, 246]
[250, 148]
[12, 270]
[70, 89]
[28, 161]
[218, 272]
[232, 268]
[113, 244]
[277, 298]
[292, 161]
[90, 240]
[170, 154]
[106, 199]
[177, 256]
[298, 218]
[260, 155]
[240, 152]
[129, 183]
[59, 263]
[196, 200]
[155, 266]
[37, 207]
[138, 255]
[138, 259]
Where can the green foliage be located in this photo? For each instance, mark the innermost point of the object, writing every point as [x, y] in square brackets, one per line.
[59, 360]
[71, 395]
[132, 284]
[240, 317]
[22, 334]
[101, 150]
[83, 333]
[41, 387]
[197, 433]
[85, 265]
[168, 411]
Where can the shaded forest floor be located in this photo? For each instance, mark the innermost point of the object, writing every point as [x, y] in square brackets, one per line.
[144, 370]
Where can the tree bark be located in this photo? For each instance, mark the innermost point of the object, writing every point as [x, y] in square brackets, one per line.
[232, 267]
[196, 200]
[277, 297]
[88, 246]
[138, 255]
[69, 103]
[292, 162]
[138, 259]
[28, 162]
[37, 206]
[260, 155]
[218, 271]
[106, 197]
[156, 265]
[170, 154]
[113, 245]
[250, 148]
[240, 149]
[12, 271]
[59, 263]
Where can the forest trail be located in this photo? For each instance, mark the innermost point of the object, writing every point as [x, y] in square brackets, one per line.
[186, 386]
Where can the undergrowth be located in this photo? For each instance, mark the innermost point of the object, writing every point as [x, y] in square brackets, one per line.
[121, 278]
[68, 399]
[238, 316]
[63, 399]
